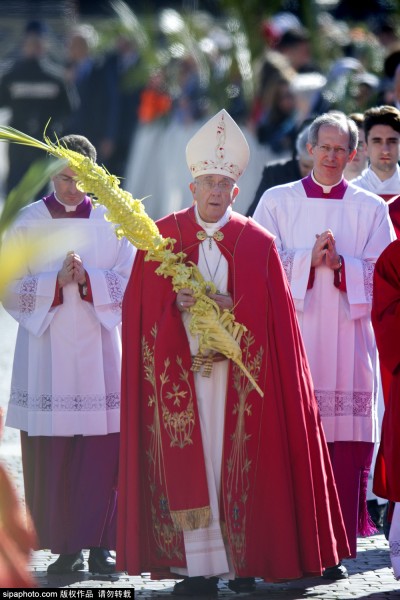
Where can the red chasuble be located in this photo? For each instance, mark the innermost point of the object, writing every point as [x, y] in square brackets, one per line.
[279, 504]
[386, 323]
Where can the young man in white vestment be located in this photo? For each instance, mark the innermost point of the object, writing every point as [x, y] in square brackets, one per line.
[65, 389]
[329, 234]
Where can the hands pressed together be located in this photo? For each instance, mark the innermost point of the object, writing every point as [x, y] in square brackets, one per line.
[72, 270]
[324, 251]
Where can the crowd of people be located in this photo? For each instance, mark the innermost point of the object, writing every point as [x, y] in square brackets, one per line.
[113, 389]
[136, 90]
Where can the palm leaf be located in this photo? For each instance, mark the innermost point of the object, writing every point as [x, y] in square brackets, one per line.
[130, 220]
[24, 193]
[13, 257]
[10, 134]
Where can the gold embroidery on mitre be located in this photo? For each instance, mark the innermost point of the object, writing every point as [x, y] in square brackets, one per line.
[219, 163]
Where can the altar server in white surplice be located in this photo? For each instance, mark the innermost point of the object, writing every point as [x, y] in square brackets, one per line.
[329, 234]
[65, 390]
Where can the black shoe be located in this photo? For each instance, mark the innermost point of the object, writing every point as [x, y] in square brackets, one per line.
[242, 585]
[376, 512]
[196, 586]
[339, 571]
[67, 563]
[101, 561]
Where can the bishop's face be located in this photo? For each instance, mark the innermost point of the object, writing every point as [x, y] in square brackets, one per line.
[213, 194]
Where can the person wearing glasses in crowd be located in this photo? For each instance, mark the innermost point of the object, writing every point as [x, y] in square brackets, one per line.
[65, 388]
[329, 234]
[217, 481]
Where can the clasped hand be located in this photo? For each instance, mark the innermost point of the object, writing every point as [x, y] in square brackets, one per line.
[324, 251]
[72, 270]
[185, 299]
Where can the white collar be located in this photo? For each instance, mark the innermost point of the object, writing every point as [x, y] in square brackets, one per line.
[211, 228]
[326, 188]
[68, 207]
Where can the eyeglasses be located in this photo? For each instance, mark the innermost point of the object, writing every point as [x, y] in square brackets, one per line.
[337, 150]
[66, 179]
[360, 146]
[208, 185]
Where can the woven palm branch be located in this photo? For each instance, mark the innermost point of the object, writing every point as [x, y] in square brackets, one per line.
[215, 332]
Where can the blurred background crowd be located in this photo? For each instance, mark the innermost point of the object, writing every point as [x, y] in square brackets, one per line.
[139, 78]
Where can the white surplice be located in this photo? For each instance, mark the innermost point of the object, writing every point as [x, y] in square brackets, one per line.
[344, 368]
[66, 373]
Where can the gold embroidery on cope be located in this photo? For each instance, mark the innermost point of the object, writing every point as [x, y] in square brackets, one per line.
[239, 464]
[179, 424]
[167, 538]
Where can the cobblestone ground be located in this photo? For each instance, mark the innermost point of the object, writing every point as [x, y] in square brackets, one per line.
[371, 576]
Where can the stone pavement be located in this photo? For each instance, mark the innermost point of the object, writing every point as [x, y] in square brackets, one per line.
[371, 576]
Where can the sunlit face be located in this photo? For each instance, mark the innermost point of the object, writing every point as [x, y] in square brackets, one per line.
[383, 150]
[213, 194]
[65, 188]
[360, 159]
[331, 154]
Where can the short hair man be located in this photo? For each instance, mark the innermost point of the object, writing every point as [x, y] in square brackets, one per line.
[329, 234]
[199, 454]
[65, 386]
[382, 137]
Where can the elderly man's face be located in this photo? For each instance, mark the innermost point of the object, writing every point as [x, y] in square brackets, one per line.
[213, 194]
[331, 154]
[65, 188]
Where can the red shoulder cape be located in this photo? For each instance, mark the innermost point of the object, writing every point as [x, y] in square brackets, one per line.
[278, 495]
[386, 323]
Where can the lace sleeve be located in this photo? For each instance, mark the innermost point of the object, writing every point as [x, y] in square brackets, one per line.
[287, 259]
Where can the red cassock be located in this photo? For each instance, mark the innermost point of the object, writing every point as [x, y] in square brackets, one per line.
[386, 324]
[278, 500]
[393, 202]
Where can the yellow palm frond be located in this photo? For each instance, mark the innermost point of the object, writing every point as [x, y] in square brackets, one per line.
[131, 220]
[25, 192]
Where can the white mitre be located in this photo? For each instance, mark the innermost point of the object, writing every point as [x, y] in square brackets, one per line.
[218, 148]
